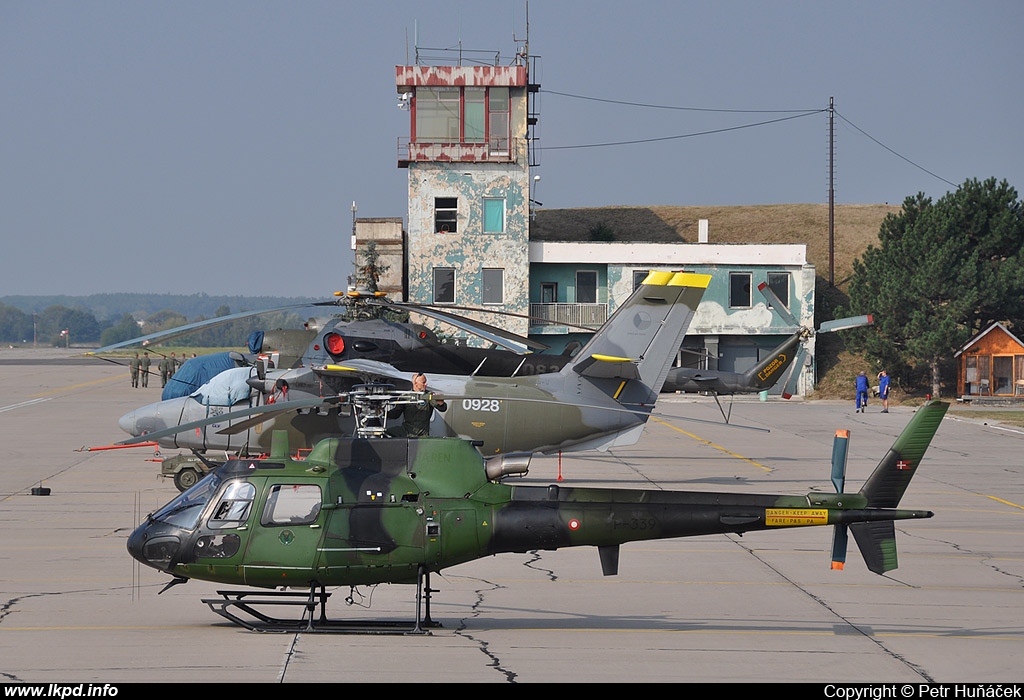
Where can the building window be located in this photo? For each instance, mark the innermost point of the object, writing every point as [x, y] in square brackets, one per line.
[778, 282]
[444, 285]
[638, 278]
[494, 215]
[437, 114]
[494, 285]
[586, 287]
[446, 214]
[464, 115]
[739, 290]
[498, 120]
[476, 119]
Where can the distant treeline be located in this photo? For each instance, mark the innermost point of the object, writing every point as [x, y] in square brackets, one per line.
[105, 319]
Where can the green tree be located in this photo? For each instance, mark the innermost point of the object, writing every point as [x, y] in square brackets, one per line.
[15, 325]
[123, 330]
[80, 323]
[941, 273]
[369, 273]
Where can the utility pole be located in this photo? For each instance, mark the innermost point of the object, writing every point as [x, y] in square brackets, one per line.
[831, 193]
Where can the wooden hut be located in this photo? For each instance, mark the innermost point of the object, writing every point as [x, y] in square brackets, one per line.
[991, 364]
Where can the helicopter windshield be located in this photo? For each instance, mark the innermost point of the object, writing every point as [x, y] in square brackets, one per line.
[225, 389]
[184, 511]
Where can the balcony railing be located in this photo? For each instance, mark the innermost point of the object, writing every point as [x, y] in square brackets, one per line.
[495, 151]
[587, 315]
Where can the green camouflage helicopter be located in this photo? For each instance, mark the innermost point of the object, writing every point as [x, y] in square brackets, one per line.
[368, 510]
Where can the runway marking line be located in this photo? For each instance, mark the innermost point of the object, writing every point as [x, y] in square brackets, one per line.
[78, 386]
[712, 445]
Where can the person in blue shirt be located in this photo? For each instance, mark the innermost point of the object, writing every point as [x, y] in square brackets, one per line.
[883, 390]
[862, 392]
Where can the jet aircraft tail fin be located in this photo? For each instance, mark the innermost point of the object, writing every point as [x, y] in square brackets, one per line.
[638, 343]
[888, 482]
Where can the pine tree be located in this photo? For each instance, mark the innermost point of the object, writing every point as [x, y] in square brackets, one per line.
[941, 273]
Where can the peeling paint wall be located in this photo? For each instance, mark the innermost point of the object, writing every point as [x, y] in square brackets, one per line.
[461, 174]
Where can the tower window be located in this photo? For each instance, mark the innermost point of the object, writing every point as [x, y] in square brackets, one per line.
[494, 215]
[494, 285]
[444, 285]
[446, 214]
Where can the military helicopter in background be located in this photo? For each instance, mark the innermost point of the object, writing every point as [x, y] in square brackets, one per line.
[370, 327]
[359, 511]
[783, 361]
[600, 397]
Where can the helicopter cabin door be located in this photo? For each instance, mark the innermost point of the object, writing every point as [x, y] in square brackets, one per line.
[284, 544]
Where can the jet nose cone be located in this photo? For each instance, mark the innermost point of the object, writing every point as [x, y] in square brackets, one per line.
[127, 423]
[151, 418]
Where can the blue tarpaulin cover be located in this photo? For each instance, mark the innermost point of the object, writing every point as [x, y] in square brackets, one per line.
[196, 372]
[226, 389]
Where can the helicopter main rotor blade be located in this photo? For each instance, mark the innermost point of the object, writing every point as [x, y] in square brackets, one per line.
[276, 408]
[172, 333]
[840, 324]
[493, 334]
[776, 304]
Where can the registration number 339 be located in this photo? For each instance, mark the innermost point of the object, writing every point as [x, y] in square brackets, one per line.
[487, 405]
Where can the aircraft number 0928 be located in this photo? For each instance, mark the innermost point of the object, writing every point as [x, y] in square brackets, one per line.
[487, 405]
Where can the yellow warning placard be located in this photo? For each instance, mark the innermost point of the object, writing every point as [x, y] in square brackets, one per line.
[794, 517]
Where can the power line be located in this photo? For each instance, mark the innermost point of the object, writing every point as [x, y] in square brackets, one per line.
[684, 109]
[798, 114]
[682, 136]
[901, 157]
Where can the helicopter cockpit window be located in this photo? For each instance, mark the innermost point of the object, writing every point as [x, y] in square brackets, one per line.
[233, 507]
[292, 504]
[184, 511]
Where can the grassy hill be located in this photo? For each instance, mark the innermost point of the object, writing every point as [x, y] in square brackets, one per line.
[855, 228]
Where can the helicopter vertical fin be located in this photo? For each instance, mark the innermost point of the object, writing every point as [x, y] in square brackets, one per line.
[887, 484]
[641, 338]
[766, 373]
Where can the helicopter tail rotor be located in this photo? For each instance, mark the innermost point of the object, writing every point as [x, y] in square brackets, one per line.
[840, 536]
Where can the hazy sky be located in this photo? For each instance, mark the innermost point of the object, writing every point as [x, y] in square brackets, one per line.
[218, 146]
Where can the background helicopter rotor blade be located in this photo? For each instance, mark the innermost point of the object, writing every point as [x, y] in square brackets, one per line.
[776, 304]
[510, 314]
[840, 324]
[172, 333]
[275, 408]
[498, 336]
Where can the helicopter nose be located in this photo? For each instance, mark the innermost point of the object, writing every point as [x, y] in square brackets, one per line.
[153, 549]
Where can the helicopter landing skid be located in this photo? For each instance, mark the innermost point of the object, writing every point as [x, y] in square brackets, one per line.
[231, 603]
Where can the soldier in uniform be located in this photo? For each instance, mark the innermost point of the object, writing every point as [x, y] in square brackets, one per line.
[144, 369]
[416, 416]
[163, 371]
[133, 367]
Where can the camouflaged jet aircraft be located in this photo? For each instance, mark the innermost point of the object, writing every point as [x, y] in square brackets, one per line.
[364, 511]
[600, 398]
